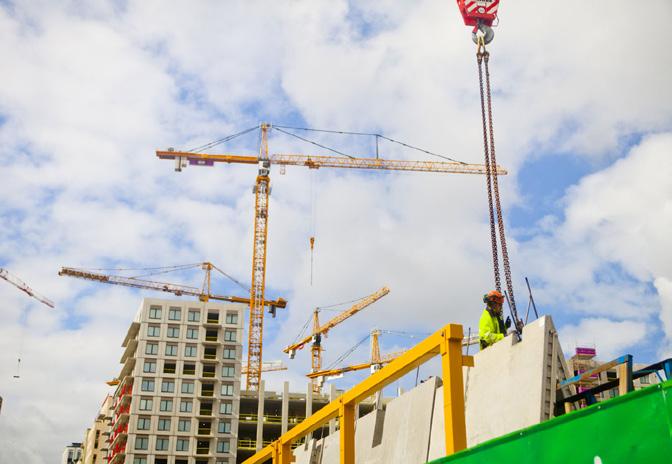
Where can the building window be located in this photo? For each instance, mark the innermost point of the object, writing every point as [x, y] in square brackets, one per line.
[173, 332]
[229, 335]
[161, 444]
[186, 406]
[208, 370]
[188, 387]
[227, 389]
[644, 380]
[189, 369]
[166, 405]
[168, 386]
[155, 312]
[145, 404]
[210, 352]
[184, 425]
[164, 424]
[147, 385]
[211, 335]
[153, 331]
[141, 442]
[160, 460]
[213, 317]
[226, 407]
[189, 350]
[192, 333]
[232, 318]
[149, 367]
[223, 446]
[171, 350]
[181, 461]
[228, 371]
[224, 427]
[208, 389]
[139, 460]
[194, 315]
[174, 314]
[144, 423]
[168, 368]
[182, 444]
[152, 348]
[229, 352]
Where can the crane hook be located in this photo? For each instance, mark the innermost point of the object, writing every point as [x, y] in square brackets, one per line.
[484, 31]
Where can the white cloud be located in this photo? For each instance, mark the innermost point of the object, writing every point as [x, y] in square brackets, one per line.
[612, 246]
[611, 338]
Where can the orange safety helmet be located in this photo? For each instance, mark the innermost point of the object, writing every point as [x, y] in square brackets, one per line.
[494, 296]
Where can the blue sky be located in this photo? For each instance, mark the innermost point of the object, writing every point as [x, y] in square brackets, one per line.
[583, 125]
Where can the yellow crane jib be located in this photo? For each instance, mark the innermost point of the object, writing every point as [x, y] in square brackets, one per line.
[176, 289]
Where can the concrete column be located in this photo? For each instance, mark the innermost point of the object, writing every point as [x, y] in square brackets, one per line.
[285, 408]
[309, 407]
[332, 397]
[260, 416]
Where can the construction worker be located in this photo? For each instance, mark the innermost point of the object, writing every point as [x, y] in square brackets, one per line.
[491, 327]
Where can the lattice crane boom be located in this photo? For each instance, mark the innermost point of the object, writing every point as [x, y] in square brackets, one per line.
[21, 285]
[340, 317]
[320, 161]
[262, 189]
[176, 289]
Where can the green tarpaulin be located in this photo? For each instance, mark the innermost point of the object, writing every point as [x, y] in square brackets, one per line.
[634, 428]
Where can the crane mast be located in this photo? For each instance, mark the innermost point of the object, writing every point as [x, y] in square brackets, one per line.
[257, 291]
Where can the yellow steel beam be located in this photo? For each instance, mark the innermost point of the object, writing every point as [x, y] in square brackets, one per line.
[446, 342]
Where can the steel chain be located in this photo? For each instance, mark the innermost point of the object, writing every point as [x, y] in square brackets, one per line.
[488, 176]
[491, 174]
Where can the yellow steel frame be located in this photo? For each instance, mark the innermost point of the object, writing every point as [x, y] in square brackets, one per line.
[446, 342]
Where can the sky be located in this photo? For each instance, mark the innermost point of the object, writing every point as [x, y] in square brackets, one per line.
[89, 90]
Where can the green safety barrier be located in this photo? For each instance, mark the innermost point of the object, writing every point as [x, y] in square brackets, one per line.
[633, 428]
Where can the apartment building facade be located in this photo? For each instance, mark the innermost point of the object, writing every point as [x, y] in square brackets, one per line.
[94, 446]
[178, 396]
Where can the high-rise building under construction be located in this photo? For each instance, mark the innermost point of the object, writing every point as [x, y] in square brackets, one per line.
[178, 395]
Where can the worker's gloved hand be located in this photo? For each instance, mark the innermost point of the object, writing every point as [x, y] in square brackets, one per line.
[507, 323]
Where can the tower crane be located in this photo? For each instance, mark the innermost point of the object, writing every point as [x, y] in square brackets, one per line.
[263, 161]
[376, 362]
[204, 293]
[21, 285]
[322, 330]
